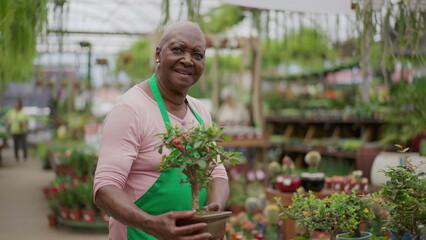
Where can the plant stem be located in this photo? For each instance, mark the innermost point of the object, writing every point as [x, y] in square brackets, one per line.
[195, 195]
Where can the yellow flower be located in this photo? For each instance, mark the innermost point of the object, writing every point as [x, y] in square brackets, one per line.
[327, 214]
[289, 207]
[305, 223]
[383, 228]
[344, 216]
[365, 210]
[305, 213]
[335, 223]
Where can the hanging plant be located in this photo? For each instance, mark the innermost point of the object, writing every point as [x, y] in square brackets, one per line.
[135, 61]
[21, 22]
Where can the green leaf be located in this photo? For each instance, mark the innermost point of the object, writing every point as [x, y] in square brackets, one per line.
[201, 163]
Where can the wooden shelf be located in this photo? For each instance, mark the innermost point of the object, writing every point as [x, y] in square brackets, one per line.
[351, 155]
[244, 143]
[302, 120]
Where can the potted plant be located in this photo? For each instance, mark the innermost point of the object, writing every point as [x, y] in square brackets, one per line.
[85, 193]
[287, 181]
[195, 153]
[339, 214]
[313, 180]
[403, 196]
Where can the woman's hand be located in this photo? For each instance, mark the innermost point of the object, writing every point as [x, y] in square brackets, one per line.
[164, 227]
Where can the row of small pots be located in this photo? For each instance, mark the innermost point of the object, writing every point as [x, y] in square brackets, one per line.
[309, 181]
[85, 215]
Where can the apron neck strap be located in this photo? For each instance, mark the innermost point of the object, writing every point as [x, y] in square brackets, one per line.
[159, 99]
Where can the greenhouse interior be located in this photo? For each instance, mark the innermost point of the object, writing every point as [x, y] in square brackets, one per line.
[261, 120]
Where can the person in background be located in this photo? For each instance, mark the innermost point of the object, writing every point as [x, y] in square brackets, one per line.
[17, 120]
[142, 202]
[232, 112]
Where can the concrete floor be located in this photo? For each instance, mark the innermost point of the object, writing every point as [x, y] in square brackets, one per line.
[23, 207]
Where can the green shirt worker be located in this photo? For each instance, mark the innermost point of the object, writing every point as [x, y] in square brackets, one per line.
[17, 120]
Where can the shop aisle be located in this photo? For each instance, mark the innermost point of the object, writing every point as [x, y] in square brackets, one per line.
[23, 208]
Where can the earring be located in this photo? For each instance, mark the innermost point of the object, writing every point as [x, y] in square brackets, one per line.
[157, 60]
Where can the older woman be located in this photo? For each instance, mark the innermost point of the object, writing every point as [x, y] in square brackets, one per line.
[144, 203]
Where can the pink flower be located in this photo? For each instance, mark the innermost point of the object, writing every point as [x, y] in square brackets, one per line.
[55, 189]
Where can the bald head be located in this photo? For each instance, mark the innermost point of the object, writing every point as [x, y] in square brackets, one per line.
[179, 27]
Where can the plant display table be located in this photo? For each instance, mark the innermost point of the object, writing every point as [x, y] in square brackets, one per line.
[97, 224]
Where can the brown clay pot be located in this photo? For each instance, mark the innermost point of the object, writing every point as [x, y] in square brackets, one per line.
[104, 217]
[88, 215]
[64, 212]
[75, 214]
[235, 209]
[216, 223]
[53, 221]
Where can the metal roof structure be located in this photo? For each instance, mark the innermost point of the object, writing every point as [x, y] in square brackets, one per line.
[109, 25]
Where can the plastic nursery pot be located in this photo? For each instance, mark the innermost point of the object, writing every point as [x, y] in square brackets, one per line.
[313, 181]
[216, 223]
[288, 183]
[345, 236]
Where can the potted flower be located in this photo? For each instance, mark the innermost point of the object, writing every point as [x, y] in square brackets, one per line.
[313, 180]
[340, 214]
[403, 196]
[287, 181]
[85, 193]
[196, 154]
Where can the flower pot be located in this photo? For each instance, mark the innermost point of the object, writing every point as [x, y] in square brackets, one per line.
[313, 181]
[235, 209]
[104, 217]
[216, 223]
[53, 221]
[88, 215]
[364, 236]
[288, 183]
[74, 214]
[64, 212]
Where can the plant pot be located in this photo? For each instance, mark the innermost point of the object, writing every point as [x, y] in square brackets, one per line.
[88, 215]
[216, 223]
[64, 212]
[313, 181]
[46, 191]
[74, 214]
[364, 236]
[53, 221]
[288, 183]
[104, 217]
[235, 209]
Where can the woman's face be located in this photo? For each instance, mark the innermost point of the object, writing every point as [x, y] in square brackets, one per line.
[181, 54]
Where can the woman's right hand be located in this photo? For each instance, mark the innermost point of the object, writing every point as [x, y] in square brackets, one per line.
[164, 227]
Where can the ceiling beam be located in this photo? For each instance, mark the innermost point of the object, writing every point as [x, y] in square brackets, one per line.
[97, 33]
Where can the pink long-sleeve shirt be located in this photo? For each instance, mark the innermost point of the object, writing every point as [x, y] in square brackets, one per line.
[127, 157]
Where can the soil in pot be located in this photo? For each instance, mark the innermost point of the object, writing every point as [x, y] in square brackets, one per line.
[313, 181]
[216, 223]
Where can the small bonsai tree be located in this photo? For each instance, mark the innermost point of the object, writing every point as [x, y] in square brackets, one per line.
[403, 196]
[338, 213]
[196, 154]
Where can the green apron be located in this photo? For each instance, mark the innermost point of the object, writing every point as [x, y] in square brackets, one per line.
[167, 193]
